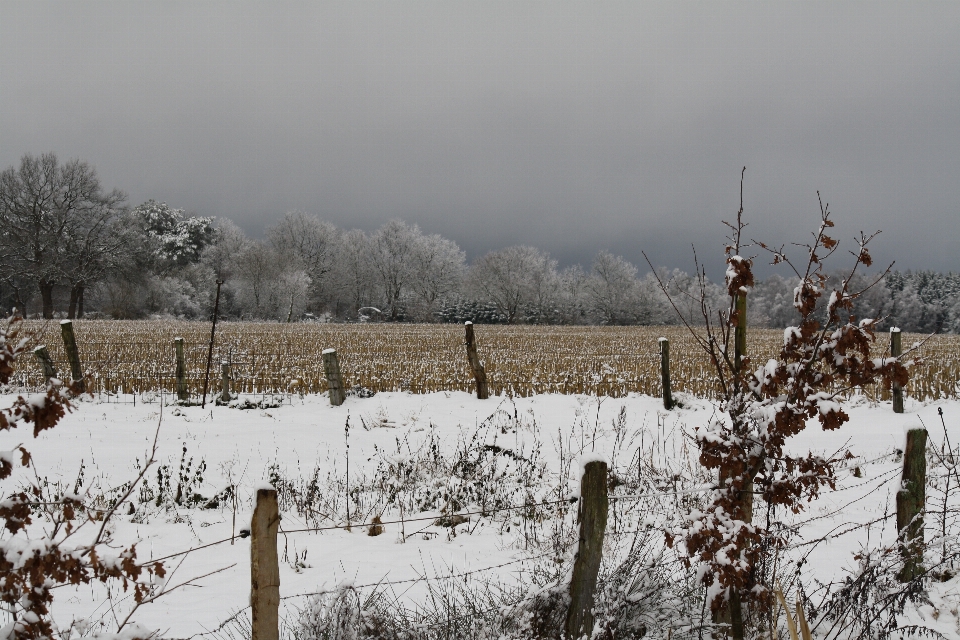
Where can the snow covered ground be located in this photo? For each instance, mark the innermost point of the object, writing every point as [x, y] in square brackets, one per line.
[303, 435]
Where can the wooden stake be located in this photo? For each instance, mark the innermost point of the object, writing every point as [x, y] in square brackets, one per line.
[910, 504]
[586, 566]
[213, 333]
[265, 567]
[896, 350]
[73, 354]
[479, 374]
[181, 373]
[224, 382]
[665, 373]
[49, 371]
[331, 367]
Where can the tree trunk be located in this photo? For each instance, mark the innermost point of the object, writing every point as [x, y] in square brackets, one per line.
[46, 296]
[80, 289]
[72, 307]
[21, 305]
[732, 612]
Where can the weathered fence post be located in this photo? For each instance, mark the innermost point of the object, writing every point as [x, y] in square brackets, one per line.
[896, 350]
[331, 367]
[73, 354]
[586, 565]
[479, 374]
[181, 372]
[264, 567]
[224, 382]
[740, 333]
[49, 371]
[665, 373]
[910, 504]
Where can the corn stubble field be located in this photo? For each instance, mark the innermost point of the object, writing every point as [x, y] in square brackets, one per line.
[139, 357]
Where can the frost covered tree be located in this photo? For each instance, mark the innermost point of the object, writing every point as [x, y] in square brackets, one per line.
[55, 222]
[257, 274]
[922, 300]
[438, 267]
[177, 239]
[306, 244]
[572, 301]
[354, 274]
[292, 291]
[223, 253]
[519, 280]
[763, 405]
[613, 289]
[771, 303]
[392, 253]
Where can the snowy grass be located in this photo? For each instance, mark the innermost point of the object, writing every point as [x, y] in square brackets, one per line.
[416, 461]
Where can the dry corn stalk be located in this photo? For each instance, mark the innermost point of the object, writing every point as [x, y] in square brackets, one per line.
[801, 620]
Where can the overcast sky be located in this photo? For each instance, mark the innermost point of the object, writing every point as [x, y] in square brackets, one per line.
[573, 127]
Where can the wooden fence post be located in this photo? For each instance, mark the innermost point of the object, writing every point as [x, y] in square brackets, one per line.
[224, 382]
[479, 374]
[331, 367]
[586, 565]
[264, 567]
[896, 350]
[73, 354]
[181, 373]
[910, 504]
[665, 373]
[49, 371]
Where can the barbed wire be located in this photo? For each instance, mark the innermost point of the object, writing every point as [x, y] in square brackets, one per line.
[402, 521]
[452, 576]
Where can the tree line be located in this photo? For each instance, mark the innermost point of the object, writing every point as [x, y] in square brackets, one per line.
[69, 247]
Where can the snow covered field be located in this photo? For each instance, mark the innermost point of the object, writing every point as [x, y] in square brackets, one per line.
[543, 436]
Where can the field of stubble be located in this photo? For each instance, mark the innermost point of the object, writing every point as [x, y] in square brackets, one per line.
[139, 357]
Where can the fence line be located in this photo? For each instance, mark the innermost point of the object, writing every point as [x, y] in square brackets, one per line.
[516, 361]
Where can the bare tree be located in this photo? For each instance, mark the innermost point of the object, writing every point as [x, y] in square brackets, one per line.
[258, 274]
[96, 245]
[54, 218]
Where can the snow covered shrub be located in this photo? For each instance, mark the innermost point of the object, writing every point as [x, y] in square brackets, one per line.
[650, 594]
[330, 616]
[454, 607]
[73, 545]
[763, 404]
[870, 602]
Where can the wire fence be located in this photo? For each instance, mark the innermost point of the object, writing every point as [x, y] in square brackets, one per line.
[881, 481]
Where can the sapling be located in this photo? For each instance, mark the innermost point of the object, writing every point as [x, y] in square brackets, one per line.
[762, 405]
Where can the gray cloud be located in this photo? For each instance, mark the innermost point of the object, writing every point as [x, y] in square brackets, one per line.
[571, 127]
